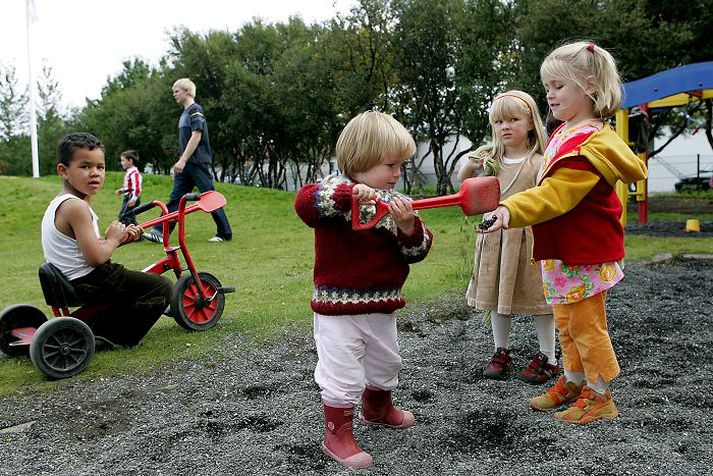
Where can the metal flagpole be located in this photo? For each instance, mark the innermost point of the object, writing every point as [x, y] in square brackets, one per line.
[31, 91]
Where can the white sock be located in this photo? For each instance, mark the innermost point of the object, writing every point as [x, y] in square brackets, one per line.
[501, 324]
[600, 386]
[575, 377]
[545, 327]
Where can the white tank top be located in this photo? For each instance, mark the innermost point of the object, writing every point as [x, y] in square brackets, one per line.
[61, 250]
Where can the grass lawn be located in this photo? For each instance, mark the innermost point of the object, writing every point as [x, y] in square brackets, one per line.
[269, 262]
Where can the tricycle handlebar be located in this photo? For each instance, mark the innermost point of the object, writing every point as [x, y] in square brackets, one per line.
[143, 208]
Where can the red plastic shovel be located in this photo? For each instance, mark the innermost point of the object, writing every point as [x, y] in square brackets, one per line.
[476, 195]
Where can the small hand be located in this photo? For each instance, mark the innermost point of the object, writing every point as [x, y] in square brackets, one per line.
[134, 232]
[119, 191]
[365, 195]
[402, 213]
[179, 166]
[502, 220]
[115, 231]
[132, 202]
[475, 160]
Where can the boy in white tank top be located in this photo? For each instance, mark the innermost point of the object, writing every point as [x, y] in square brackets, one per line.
[71, 241]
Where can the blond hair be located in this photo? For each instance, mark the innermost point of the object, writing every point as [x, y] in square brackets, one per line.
[591, 68]
[187, 85]
[368, 139]
[504, 107]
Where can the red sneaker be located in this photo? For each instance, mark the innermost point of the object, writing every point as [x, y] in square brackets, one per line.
[539, 371]
[499, 365]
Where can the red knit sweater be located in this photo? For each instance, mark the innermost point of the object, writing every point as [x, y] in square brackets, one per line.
[356, 272]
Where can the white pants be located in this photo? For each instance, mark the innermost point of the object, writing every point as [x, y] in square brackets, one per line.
[353, 352]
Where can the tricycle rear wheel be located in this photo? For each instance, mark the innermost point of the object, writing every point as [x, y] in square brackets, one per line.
[62, 347]
[16, 317]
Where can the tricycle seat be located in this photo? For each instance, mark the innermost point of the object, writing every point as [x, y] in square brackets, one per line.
[57, 289]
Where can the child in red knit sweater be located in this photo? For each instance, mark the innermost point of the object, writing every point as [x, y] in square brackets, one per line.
[357, 280]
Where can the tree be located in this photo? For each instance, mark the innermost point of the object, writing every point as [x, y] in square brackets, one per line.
[485, 66]
[135, 112]
[13, 104]
[14, 144]
[358, 49]
[449, 57]
[50, 123]
[645, 37]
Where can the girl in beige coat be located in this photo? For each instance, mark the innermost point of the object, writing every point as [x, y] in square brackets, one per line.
[505, 281]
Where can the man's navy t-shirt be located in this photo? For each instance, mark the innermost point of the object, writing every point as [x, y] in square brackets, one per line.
[192, 119]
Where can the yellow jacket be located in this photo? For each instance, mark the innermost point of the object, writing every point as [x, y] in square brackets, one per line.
[560, 189]
[574, 209]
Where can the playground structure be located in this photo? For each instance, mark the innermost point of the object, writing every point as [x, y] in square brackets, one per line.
[675, 87]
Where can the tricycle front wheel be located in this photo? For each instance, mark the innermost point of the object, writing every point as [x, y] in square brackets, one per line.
[190, 310]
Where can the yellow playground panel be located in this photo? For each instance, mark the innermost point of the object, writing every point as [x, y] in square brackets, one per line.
[675, 87]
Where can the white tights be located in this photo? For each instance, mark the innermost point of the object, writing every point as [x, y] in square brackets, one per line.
[544, 325]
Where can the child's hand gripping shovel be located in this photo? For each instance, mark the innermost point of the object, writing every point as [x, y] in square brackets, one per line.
[477, 195]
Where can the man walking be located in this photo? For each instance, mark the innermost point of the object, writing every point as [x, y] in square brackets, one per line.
[193, 166]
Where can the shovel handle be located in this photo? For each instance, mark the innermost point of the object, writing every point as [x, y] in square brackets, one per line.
[381, 211]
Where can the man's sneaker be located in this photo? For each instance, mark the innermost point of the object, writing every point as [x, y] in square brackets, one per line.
[539, 371]
[561, 394]
[499, 364]
[218, 239]
[153, 236]
[589, 407]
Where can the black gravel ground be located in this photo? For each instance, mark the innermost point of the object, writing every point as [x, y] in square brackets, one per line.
[255, 410]
[670, 228]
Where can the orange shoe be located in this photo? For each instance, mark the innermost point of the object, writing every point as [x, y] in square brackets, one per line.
[561, 394]
[589, 407]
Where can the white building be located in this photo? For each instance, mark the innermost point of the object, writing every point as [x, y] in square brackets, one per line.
[679, 159]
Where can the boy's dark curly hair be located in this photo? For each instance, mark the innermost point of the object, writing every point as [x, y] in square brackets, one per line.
[73, 141]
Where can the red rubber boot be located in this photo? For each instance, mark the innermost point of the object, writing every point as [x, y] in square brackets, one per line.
[339, 442]
[378, 409]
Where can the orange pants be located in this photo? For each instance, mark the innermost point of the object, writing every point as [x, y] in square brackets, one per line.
[585, 342]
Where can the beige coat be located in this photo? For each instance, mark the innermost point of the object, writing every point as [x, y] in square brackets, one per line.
[504, 278]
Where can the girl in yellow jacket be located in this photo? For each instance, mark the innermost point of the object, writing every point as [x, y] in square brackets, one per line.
[574, 212]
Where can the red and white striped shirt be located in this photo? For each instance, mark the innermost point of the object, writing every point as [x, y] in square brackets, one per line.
[132, 183]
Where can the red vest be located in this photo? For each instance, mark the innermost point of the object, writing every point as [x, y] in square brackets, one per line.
[591, 232]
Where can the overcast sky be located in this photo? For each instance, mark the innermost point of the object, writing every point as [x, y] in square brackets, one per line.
[85, 41]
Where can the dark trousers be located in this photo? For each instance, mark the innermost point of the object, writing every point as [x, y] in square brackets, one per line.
[136, 300]
[196, 175]
[126, 213]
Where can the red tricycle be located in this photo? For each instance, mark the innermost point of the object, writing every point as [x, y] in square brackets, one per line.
[63, 347]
